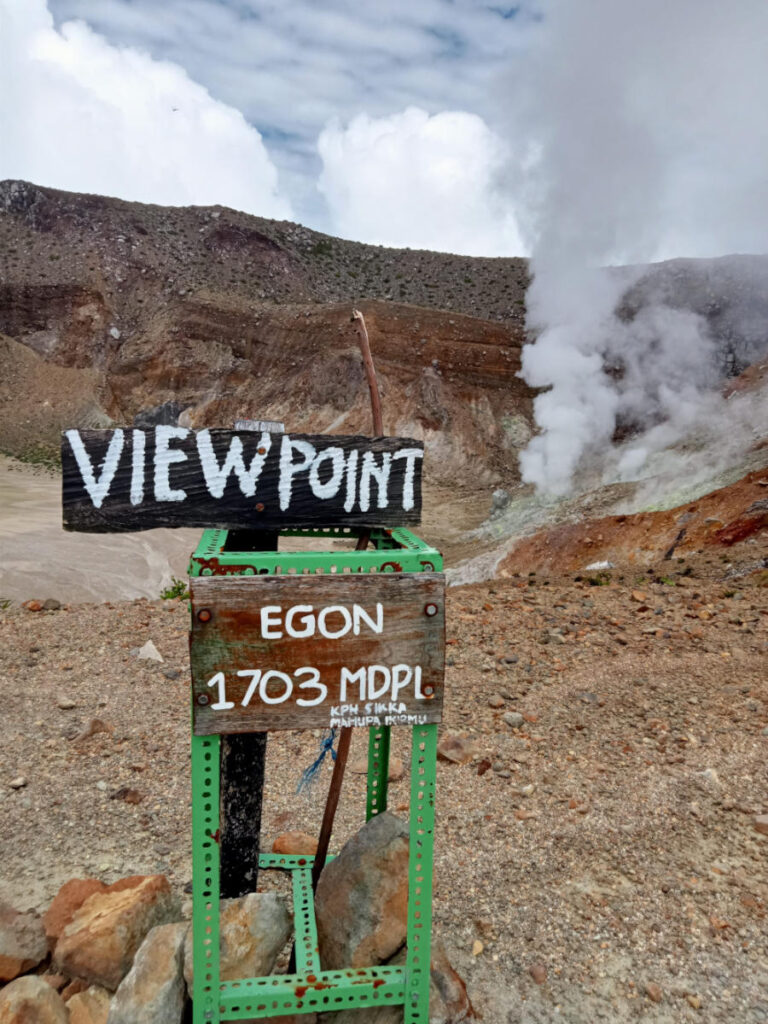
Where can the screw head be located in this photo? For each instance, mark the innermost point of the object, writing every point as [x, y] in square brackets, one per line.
[429, 691]
[204, 615]
[431, 609]
[259, 506]
[203, 698]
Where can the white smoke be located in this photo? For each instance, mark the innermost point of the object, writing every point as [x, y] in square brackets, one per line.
[644, 134]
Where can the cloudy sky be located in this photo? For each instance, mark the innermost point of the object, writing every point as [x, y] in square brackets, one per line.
[379, 121]
[602, 131]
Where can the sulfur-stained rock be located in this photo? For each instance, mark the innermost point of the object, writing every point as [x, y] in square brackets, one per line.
[254, 928]
[30, 1000]
[362, 897]
[22, 942]
[66, 902]
[101, 940]
[90, 1006]
[153, 991]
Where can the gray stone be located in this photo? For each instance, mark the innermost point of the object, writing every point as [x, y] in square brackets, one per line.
[513, 719]
[153, 991]
[362, 897]
[254, 928]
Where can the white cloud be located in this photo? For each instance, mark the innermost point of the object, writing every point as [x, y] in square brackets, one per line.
[414, 180]
[291, 67]
[79, 113]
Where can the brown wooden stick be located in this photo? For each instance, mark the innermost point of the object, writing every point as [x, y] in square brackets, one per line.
[370, 371]
[345, 734]
[339, 765]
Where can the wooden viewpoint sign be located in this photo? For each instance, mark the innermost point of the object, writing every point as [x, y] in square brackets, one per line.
[129, 479]
[304, 652]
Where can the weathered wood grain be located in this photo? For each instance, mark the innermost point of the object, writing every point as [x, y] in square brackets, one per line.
[227, 636]
[130, 479]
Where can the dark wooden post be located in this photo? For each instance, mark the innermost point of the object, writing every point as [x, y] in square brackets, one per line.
[243, 756]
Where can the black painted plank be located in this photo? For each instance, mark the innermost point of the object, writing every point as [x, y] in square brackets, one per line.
[128, 479]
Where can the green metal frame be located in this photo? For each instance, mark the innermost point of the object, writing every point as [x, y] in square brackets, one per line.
[311, 989]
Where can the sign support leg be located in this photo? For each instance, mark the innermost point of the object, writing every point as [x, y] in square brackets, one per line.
[420, 860]
[205, 878]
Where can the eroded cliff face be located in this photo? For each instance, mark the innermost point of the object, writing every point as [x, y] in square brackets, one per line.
[209, 315]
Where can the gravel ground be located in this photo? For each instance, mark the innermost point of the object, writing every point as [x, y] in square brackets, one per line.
[599, 862]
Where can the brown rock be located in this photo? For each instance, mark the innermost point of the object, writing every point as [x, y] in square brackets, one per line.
[22, 942]
[90, 1006]
[539, 973]
[72, 989]
[30, 1000]
[254, 928]
[454, 748]
[640, 596]
[761, 824]
[496, 702]
[56, 981]
[362, 897]
[153, 991]
[101, 940]
[448, 999]
[653, 991]
[295, 843]
[66, 902]
[33, 606]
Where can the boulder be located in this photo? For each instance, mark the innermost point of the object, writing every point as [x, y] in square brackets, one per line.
[297, 843]
[253, 930]
[101, 940]
[22, 942]
[448, 999]
[70, 897]
[31, 1000]
[90, 1006]
[362, 896]
[153, 991]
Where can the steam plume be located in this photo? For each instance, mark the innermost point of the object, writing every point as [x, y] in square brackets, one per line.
[643, 136]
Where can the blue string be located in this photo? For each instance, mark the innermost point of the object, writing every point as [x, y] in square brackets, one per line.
[309, 774]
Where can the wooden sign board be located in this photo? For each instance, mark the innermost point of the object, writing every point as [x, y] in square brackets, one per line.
[305, 652]
[129, 479]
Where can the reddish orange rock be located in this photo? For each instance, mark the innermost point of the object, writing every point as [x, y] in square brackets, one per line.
[296, 844]
[101, 940]
[70, 897]
[73, 988]
[22, 942]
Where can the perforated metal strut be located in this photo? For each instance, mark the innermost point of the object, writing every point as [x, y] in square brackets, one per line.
[310, 989]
